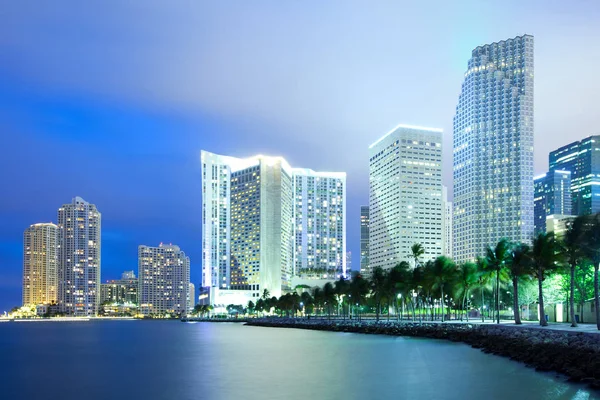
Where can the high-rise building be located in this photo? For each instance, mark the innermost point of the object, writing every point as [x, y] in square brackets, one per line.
[364, 241]
[319, 221]
[164, 280]
[558, 223]
[405, 197]
[79, 258]
[192, 296]
[447, 207]
[582, 159]
[40, 263]
[263, 221]
[120, 291]
[493, 148]
[552, 195]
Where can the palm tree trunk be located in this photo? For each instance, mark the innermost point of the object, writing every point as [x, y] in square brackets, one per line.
[482, 299]
[442, 289]
[497, 296]
[572, 298]
[516, 300]
[542, 312]
[596, 300]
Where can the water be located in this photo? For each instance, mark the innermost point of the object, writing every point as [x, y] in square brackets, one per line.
[173, 360]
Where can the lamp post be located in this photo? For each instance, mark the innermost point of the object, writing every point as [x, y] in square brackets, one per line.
[399, 298]
[414, 295]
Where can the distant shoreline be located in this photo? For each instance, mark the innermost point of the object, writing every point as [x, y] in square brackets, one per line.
[574, 354]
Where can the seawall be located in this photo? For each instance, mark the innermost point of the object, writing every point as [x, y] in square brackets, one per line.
[575, 354]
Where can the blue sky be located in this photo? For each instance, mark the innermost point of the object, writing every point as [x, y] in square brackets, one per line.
[113, 100]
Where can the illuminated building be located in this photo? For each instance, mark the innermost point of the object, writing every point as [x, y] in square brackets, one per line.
[365, 269]
[192, 296]
[582, 159]
[493, 148]
[164, 280]
[405, 197]
[447, 208]
[552, 195]
[120, 291]
[40, 261]
[263, 221]
[79, 258]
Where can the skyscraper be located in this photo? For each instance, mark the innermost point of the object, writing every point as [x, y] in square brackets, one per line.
[552, 195]
[164, 280]
[319, 221]
[405, 197]
[447, 207]
[364, 241]
[263, 221]
[40, 262]
[79, 258]
[120, 291]
[582, 159]
[493, 148]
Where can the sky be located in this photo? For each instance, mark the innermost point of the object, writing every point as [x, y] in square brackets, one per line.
[113, 100]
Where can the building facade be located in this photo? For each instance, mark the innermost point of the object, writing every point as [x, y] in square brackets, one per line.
[493, 148]
[582, 159]
[552, 195]
[264, 221]
[79, 224]
[164, 280]
[319, 221]
[447, 208]
[364, 241]
[405, 196]
[40, 264]
[120, 291]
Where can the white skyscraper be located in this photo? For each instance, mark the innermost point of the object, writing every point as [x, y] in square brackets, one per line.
[493, 148]
[262, 220]
[447, 223]
[405, 198]
[40, 264]
[79, 226]
[164, 280]
[319, 221]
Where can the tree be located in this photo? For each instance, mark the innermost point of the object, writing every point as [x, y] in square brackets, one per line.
[250, 307]
[483, 281]
[496, 258]
[519, 266]
[442, 273]
[329, 297]
[417, 251]
[592, 249]
[341, 291]
[466, 278]
[359, 287]
[546, 257]
[378, 283]
[572, 248]
[266, 294]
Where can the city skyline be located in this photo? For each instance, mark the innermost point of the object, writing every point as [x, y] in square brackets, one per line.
[53, 117]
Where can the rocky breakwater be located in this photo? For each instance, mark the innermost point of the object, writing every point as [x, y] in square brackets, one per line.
[575, 354]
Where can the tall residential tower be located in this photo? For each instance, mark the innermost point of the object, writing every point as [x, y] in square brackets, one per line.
[493, 148]
[405, 197]
[40, 264]
[164, 280]
[552, 195]
[364, 241]
[79, 258]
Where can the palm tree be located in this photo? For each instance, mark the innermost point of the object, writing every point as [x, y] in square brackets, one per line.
[441, 273]
[417, 251]
[359, 287]
[341, 291]
[546, 257]
[496, 259]
[483, 281]
[378, 283]
[571, 246]
[592, 249]
[329, 297]
[397, 282]
[266, 294]
[466, 278]
[519, 265]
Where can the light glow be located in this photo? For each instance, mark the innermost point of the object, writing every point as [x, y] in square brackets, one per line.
[403, 126]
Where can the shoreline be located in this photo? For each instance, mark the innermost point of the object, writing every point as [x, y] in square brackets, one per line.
[573, 354]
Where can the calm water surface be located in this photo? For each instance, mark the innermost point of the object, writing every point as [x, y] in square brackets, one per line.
[172, 360]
